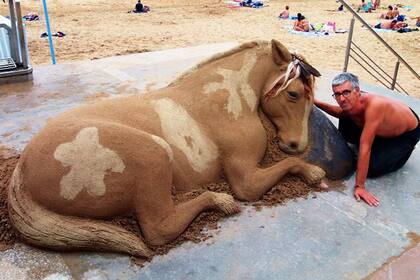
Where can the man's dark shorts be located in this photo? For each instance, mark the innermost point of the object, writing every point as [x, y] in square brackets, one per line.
[387, 154]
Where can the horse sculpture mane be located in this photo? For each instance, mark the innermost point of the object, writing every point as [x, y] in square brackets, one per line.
[244, 46]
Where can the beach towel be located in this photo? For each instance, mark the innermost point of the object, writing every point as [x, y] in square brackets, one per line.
[57, 34]
[382, 30]
[247, 3]
[312, 33]
[233, 4]
[31, 17]
[289, 18]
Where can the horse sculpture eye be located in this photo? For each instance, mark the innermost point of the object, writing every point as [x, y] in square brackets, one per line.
[293, 95]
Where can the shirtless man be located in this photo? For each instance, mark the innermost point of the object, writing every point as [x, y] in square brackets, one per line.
[391, 24]
[395, 12]
[385, 131]
[285, 13]
[389, 14]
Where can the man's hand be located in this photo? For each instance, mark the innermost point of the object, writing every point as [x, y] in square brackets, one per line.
[361, 192]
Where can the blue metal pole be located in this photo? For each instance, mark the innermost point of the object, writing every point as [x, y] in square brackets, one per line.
[47, 22]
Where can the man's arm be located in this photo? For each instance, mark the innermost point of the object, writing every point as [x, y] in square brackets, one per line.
[373, 118]
[332, 110]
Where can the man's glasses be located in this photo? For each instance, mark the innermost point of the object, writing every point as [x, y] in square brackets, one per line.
[344, 93]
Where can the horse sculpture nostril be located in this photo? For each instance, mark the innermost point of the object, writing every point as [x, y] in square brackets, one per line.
[293, 145]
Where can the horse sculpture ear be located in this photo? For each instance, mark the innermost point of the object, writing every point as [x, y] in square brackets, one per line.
[280, 53]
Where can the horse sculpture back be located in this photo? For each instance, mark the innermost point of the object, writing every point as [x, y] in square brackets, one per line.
[124, 155]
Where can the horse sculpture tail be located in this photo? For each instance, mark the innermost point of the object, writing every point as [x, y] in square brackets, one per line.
[42, 227]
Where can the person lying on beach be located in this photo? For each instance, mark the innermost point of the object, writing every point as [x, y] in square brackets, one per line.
[301, 24]
[339, 9]
[417, 20]
[285, 13]
[389, 14]
[384, 131]
[390, 24]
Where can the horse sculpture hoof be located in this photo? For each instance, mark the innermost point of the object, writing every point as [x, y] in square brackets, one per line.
[225, 203]
[313, 174]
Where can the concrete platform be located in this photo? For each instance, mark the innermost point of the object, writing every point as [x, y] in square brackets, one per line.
[328, 236]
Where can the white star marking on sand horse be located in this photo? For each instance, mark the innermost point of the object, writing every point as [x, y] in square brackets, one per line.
[231, 80]
[89, 161]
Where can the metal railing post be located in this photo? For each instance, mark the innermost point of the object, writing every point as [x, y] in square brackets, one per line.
[22, 43]
[14, 51]
[349, 39]
[394, 79]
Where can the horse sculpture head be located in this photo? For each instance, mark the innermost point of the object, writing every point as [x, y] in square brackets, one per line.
[288, 98]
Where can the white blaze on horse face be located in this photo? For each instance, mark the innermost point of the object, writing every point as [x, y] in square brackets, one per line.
[234, 81]
[303, 141]
[164, 145]
[182, 131]
[88, 161]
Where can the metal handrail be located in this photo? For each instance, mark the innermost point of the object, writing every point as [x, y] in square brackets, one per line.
[401, 89]
[362, 58]
[361, 65]
[392, 82]
[356, 15]
[371, 60]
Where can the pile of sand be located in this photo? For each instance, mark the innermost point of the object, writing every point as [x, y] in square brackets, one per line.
[99, 28]
[7, 235]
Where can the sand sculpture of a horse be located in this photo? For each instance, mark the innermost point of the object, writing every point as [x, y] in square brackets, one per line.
[124, 155]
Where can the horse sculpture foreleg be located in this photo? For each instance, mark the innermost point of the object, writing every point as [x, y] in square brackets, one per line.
[249, 182]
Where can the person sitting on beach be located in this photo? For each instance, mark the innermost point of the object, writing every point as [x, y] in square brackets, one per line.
[361, 6]
[389, 14]
[395, 12]
[140, 8]
[383, 130]
[390, 24]
[285, 13]
[301, 24]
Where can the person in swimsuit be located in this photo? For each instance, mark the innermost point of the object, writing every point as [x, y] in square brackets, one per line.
[384, 131]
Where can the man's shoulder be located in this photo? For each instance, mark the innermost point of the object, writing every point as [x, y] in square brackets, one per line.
[376, 103]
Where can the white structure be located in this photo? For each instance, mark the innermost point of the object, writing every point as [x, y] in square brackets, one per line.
[14, 58]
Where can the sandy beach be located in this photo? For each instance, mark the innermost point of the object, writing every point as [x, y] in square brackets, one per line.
[97, 28]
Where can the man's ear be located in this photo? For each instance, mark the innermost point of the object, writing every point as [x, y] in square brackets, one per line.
[281, 54]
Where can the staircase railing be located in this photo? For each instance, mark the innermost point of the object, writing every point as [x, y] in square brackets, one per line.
[361, 58]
